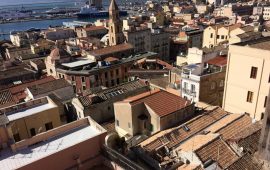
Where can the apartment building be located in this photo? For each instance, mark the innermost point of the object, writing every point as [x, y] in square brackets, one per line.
[266, 13]
[76, 145]
[58, 33]
[248, 78]
[99, 105]
[25, 120]
[91, 31]
[150, 112]
[204, 82]
[218, 34]
[140, 38]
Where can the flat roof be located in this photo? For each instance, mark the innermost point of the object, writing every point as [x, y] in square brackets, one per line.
[27, 155]
[31, 111]
[260, 43]
[78, 63]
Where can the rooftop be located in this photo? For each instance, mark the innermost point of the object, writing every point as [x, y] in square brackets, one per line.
[111, 92]
[261, 43]
[27, 108]
[218, 61]
[6, 98]
[111, 49]
[78, 63]
[93, 28]
[48, 87]
[161, 102]
[183, 132]
[218, 151]
[49, 142]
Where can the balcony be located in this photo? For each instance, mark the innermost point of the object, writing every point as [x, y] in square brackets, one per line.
[189, 92]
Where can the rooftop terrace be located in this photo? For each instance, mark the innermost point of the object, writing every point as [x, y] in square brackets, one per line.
[48, 143]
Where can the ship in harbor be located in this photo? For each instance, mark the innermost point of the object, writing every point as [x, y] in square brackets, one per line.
[94, 9]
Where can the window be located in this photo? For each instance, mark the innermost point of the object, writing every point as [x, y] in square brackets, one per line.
[249, 96]
[112, 73]
[106, 75]
[213, 85]
[222, 37]
[211, 35]
[192, 88]
[112, 82]
[106, 84]
[253, 73]
[265, 101]
[17, 137]
[73, 78]
[217, 36]
[129, 126]
[117, 122]
[269, 79]
[185, 85]
[33, 131]
[83, 79]
[49, 126]
[118, 81]
[262, 116]
[221, 84]
[117, 72]
[84, 87]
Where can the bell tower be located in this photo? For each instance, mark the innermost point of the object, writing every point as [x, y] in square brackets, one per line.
[116, 35]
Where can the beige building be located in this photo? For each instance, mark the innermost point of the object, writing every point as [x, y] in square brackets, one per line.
[58, 33]
[22, 121]
[247, 78]
[99, 106]
[140, 38]
[91, 31]
[217, 34]
[266, 13]
[150, 112]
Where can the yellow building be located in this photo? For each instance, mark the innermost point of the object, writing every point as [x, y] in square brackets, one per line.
[22, 121]
[217, 34]
[248, 78]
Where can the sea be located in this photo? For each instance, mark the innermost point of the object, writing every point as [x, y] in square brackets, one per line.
[39, 5]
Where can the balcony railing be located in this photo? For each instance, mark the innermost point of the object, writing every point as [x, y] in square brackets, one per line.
[120, 159]
[189, 92]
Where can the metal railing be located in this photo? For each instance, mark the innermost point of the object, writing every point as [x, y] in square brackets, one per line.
[189, 92]
[120, 159]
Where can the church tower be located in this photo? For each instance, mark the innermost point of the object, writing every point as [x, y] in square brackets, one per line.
[115, 25]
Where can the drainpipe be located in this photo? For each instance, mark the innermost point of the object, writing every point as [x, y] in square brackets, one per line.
[259, 90]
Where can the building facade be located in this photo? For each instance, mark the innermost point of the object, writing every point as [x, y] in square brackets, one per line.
[248, 77]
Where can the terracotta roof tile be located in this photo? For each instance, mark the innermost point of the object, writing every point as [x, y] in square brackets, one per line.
[246, 162]
[93, 28]
[178, 134]
[111, 49]
[161, 102]
[218, 151]
[218, 61]
[48, 86]
[235, 127]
